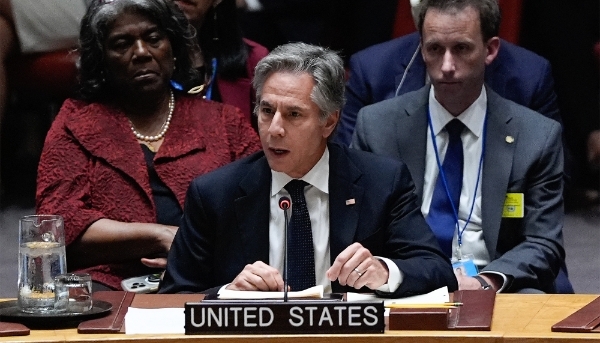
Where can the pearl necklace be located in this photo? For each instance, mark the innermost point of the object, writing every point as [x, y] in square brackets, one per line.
[164, 127]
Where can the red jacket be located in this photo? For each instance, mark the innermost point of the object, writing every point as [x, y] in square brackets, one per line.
[92, 166]
[239, 92]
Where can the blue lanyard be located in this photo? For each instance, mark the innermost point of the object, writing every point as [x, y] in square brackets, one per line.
[443, 176]
[211, 83]
[176, 85]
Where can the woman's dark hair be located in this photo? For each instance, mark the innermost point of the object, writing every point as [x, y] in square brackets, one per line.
[221, 36]
[95, 26]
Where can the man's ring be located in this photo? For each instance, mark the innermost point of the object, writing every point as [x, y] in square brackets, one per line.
[359, 273]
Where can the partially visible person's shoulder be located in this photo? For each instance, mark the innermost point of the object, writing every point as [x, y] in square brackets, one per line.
[75, 111]
[389, 50]
[376, 173]
[371, 160]
[72, 105]
[256, 48]
[521, 54]
[368, 162]
[526, 118]
[255, 52]
[195, 100]
[86, 121]
[196, 106]
[520, 62]
[393, 109]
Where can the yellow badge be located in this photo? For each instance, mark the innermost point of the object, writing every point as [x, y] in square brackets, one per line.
[513, 205]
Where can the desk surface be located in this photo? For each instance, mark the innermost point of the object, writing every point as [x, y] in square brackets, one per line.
[517, 318]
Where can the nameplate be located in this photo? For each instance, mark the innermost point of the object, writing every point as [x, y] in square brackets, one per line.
[294, 317]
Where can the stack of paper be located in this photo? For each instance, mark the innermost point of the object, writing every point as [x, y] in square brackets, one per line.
[313, 292]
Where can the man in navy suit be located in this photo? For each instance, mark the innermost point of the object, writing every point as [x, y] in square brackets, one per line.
[507, 215]
[366, 226]
[390, 69]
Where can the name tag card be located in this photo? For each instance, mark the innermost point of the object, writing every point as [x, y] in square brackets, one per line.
[294, 317]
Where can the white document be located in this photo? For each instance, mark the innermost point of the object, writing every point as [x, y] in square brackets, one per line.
[154, 321]
[313, 292]
[172, 320]
[437, 296]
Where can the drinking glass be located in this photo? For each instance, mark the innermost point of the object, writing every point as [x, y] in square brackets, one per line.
[74, 290]
[41, 258]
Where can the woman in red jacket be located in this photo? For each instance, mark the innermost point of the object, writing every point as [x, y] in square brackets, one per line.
[116, 163]
[225, 59]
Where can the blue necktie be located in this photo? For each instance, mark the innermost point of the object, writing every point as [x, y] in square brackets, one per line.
[441, 214]
[301, 256]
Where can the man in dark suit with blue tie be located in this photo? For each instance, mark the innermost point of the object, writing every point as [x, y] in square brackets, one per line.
[489, 172]
[355, 219]
[396, 67]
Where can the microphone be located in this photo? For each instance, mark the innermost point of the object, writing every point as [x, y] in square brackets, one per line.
[285, 203]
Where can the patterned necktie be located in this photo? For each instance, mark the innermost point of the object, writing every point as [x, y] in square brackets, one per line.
[441, 214]
[301, 256]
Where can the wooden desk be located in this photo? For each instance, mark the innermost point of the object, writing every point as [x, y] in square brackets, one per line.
[528, 318]
[517, 318]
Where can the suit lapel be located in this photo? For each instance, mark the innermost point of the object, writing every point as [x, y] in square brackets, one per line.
[106, 134]
[497, 165]
[252, 211]
[343, 222]
[412, 132]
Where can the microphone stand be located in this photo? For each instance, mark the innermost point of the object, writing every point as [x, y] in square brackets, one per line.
[285, 259]
[285, 203]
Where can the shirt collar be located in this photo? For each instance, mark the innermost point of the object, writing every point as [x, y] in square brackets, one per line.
[318, 176]
[473, 117]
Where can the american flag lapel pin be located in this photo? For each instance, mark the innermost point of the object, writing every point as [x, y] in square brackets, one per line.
[350, 202]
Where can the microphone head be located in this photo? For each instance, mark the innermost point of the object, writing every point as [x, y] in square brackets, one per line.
[284, 203]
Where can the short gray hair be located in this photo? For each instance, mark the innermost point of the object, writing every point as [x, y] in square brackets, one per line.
[325, 66]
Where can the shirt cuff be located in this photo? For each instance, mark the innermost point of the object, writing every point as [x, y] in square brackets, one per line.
[253, 5]
[394, 276]
[504, 279]
[222, 288]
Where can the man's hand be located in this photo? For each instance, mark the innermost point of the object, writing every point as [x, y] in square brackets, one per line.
[467, 282]
[257, 277]
[470, 283]
[356, 267]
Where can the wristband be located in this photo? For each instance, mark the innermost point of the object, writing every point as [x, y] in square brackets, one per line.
[484, 284]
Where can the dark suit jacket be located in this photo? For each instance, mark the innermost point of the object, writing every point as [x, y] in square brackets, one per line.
[528, 249]
[375, 73]
[226, 223]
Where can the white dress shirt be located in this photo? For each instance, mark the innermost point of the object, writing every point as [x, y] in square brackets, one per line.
[473, 118]
[317, 201]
